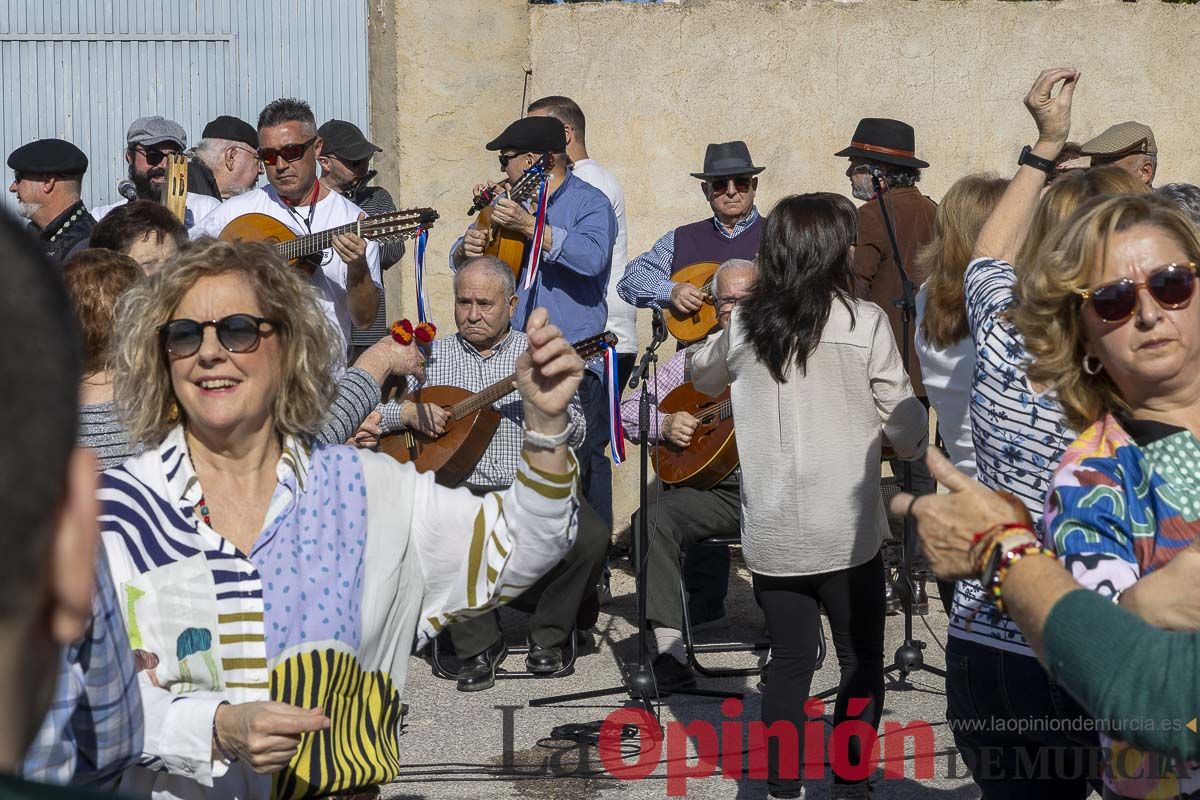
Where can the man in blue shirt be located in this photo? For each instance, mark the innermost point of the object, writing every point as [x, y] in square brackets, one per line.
[572, 279]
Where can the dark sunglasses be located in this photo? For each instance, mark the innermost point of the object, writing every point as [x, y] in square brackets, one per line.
[505, 159]
[237, 333]
[718, 185]
[289, 152]
[1170, 285]
[156, 156]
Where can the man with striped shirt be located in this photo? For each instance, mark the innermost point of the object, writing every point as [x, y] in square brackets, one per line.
[346, 169]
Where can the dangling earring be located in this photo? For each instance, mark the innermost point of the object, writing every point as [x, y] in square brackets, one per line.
[173, 414]
[1087, 365]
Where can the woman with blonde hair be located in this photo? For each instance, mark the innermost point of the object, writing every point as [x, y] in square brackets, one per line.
[943, 339]
[272, 586]
[1110, 319]
[1019, 434]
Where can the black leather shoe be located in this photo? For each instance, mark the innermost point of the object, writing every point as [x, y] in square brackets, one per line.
[479, 671]
[891, 598]
[669, 674]
[920, 598]
[543, 660]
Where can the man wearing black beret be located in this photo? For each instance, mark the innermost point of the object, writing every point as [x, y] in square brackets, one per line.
[47, 175]
[225, 162]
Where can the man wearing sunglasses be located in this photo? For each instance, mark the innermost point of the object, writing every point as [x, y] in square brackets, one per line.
[347, 277]
[225, 163]
[728, 183]
[47, 175]
[148, 143]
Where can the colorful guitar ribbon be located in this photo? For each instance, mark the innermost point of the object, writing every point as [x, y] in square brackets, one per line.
[422, 241]
[616, 431]
[535, 250]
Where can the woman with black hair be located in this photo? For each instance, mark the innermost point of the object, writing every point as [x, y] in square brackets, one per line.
[816, 380]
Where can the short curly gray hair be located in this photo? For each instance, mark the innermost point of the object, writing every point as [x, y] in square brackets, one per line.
[308, 348]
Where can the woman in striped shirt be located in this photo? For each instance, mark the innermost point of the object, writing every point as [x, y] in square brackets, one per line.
[272, 587]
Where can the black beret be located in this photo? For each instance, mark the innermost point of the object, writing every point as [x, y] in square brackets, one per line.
[231, 129]
[532, 135]
[48, 157]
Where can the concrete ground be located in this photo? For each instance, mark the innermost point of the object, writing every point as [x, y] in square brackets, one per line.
[492, 744]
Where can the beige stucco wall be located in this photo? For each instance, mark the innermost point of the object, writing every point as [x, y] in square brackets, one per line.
[658, 82]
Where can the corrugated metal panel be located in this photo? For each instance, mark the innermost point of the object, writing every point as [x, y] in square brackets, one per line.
[82, 70]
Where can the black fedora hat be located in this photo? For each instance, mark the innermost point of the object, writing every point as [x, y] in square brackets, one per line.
[886, 140]
[724, 160]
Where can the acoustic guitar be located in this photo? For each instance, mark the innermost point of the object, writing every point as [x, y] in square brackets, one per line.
[473, 422]
[689, 328]
[175, 188]
[712, 453]
[385, 227]
[506, 245]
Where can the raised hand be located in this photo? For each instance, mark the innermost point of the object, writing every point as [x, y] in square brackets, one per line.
[548, 374]
[1051, 112]
[265, 735]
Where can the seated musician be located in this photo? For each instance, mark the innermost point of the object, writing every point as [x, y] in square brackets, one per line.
[485, 350]
[681, 516]
[572, 279]
[733, 231]
[348, 282]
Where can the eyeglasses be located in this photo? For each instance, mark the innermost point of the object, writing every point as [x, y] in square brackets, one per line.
[237, 333]
[289, 152]
[253, 153]
[723, 303]
[154, 157]
[1170, 285]
[505, 159]
[741, 183]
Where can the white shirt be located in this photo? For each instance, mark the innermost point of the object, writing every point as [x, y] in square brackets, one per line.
[947, 376]
[331, 211]
[199, 206]
[622, 316]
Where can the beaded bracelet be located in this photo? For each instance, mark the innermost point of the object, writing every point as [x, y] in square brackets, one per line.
[217, 739]
[986, 542]
[1010, 557]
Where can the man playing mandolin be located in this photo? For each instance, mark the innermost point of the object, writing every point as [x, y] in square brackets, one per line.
[348, 280]
[684, 515]
[485, 350]
[571, 281]
[728, 183]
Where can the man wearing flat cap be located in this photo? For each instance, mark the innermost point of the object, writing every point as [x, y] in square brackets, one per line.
[728, 183]
[345, 161]
[572, 279]
[886, 147]
[1128, 145]
[47, 175]
[225, 162]
[148, 143]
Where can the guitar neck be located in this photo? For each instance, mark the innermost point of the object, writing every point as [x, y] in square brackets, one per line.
[311, 243]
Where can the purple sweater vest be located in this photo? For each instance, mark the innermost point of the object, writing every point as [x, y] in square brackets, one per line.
[700, 241]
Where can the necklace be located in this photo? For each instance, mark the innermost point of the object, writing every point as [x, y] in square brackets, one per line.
[202, 510]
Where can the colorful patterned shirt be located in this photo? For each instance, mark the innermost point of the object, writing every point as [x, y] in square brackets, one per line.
[1125, 501]
[358, 557]
[1019, 435]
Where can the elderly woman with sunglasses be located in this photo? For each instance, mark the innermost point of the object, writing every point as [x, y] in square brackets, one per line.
[1109, 318]
[273, 587]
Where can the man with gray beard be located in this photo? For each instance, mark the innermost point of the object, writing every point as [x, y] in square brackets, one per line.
[46, 180]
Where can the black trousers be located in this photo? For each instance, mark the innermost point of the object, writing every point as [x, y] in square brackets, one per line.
[854, 599]
[595, 470]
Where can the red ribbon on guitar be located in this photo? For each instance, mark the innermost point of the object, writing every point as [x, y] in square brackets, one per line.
[539, 227]
[616, 430]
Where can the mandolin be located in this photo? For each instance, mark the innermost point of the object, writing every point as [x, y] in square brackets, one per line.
[506, 245]
[386, 227]
[712, 454]
[175, 188]
[473, 422]
[689, 328]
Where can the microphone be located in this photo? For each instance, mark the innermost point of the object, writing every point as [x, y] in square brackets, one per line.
[659, 325]
[127, 190]
[876, 172]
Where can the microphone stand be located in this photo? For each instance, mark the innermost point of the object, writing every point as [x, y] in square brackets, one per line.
[909, 657]
[639, 678]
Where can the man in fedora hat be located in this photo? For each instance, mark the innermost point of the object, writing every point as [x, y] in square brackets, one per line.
[886, 147]
[728, 183]
[1128, 145]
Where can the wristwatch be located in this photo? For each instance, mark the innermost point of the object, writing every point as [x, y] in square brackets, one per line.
[545, 440]
[1037, 162]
